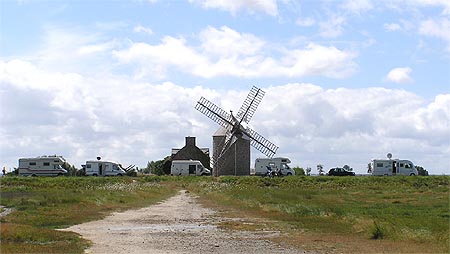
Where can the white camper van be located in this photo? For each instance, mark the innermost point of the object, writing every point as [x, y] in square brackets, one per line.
[42, 166]
[188, 167]
[103, 168]
[276, 165]
[392, 167]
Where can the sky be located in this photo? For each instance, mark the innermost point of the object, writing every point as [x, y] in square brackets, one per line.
[345, 81]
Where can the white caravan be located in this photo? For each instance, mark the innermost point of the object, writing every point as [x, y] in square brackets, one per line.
[188, 167]
[103, 168]
[279, 165]
[42, 166]
[392, 167]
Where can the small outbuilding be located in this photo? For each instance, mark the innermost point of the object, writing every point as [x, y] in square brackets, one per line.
[191, 152]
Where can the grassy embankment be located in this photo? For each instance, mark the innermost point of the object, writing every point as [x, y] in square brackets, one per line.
[342, 214]
[43, 205]
[349, 214]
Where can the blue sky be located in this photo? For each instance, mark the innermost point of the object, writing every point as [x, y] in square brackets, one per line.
[345, 81]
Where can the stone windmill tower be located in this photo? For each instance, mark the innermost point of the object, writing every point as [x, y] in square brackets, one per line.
[231, 143]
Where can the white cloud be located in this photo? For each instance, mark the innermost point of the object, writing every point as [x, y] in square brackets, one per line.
[134, 122]
[400, 75]
[357, 6]
[439, 3]
[269, 7]
[226, 52]
[226, 42]
[142, 29]
[333, 27]
[439, 28]
[74, 49]
[391, 27]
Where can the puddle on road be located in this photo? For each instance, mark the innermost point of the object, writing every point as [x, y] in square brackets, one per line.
[167, 228]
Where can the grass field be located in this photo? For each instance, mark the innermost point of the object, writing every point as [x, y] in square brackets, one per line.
[43, 205]
[330, 214]
[344, 214]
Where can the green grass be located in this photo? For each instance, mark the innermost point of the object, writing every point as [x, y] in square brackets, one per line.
[409, 211]
[330, 214]
[44, 204]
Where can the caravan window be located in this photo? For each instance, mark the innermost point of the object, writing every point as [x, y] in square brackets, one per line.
[407, 165]
[46, 163]
[32, 163]
[88, 165]
[402, 165]
[379, 164]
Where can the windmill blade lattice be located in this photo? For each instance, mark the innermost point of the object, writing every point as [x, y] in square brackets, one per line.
[250, 105]
[260, 143]
[215, 113]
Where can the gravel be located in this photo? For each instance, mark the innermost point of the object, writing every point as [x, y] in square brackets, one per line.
[176, 225]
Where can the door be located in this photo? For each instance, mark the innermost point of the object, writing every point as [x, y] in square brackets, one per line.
[394, 167]
[106, 169]
[401, 168]
[192, 169]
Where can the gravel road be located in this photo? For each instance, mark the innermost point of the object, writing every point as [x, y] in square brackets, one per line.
[176, 225]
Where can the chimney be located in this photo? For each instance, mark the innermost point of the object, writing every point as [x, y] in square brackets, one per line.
[190, 141]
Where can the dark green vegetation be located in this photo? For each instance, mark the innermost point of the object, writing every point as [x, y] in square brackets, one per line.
[44, 204]
[332, 214]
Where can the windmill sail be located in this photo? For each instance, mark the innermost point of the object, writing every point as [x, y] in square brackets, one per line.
[215, 113]
[260, 143]
[250, 105]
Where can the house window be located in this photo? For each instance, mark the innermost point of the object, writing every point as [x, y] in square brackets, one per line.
[191, 169]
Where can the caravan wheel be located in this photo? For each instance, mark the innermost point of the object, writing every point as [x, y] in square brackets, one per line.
[412, 174]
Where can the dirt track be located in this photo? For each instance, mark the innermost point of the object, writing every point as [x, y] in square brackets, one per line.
[176, 225]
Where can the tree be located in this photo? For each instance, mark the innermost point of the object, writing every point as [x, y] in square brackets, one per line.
[421, 171]
[71, 169]
[308, 171]
[320, 169]
[299, 171]
[157, 167]
[347, 168]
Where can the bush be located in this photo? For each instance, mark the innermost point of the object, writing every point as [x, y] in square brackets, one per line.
[377, 232]
[299, 171]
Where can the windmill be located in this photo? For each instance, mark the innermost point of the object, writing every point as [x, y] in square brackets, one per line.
[231, 143]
